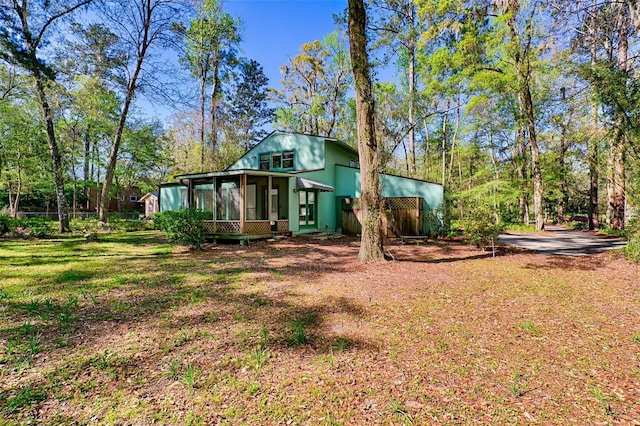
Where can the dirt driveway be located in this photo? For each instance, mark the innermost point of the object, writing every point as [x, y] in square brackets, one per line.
[561, 241]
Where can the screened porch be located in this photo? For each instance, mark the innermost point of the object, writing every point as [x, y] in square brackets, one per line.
[248, 203]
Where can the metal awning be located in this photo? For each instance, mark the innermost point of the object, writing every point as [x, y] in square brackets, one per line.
[302, 183]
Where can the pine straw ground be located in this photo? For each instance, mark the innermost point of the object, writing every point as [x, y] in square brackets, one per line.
[130, 330]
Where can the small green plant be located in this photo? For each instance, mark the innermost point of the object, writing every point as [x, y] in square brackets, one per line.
[442, 345]
[9, 347]
[341, 345]
[396, 408]
[25, 397]
[190, 376]
[636, 338]
[259, 357]
[102, 361]
[516, 390]
[33, 307]
[299, 334]
[530, 328]
[597, 394]
[174, 370]
[482, 226]
[45, 312]
[27, 329]
[34, 346]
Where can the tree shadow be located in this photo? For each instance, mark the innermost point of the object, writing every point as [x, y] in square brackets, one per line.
[581, 263]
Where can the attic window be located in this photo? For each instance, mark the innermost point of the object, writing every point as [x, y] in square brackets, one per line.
[264, 161]
[287, 160]
[276, 160]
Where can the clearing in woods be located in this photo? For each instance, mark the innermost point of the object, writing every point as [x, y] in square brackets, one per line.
[131, 330]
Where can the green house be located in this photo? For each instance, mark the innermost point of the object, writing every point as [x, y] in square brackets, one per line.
[289, 183]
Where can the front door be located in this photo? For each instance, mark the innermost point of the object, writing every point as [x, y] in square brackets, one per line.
[275, 204]
[308, 209]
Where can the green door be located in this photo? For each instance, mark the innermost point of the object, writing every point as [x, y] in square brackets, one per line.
[308, 208]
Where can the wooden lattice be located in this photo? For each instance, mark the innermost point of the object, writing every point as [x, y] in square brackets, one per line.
[230, 227]
[283, 225]
[210, 226]
[261, 227]
[400, 203]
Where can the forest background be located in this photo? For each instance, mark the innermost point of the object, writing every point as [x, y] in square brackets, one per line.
[527, 108]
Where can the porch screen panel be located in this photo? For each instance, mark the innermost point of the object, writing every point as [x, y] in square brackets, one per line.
[228, 199]
[255, 202]
[203, 197]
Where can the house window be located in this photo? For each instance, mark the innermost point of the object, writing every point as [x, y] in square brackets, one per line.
[287, 160]
[307, 209]
[276, 160]
[352, 162]
[264, 162]
[133, 198]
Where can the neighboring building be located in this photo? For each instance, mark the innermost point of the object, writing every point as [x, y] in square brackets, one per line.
[125, 200]
[151, 205]
[289, 182]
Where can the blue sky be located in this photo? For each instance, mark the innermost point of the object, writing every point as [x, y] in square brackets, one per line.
[275, 29]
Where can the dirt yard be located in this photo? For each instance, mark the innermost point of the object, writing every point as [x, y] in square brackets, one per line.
[298, 332]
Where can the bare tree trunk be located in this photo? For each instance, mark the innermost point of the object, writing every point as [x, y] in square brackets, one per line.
[203, 82]
[103, 209]
[213, 111]
[56, 158]
[29, 60]
[15, 202]
[618, 146]
[85, 168]
[146, 11]
[444, 144]
[519, 153]
[527, 113]
[371, 243]
[412, 93]
[593, 142]
[453, 140]
[535, 158]
[562, 180]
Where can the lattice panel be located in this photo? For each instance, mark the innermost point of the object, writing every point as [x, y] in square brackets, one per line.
[210, 227]
[227, 227]
[283, 225]
[257, 227]
[400, 203]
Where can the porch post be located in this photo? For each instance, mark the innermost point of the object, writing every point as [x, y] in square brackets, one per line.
[270, 186]
[243, 185]
[214, 215]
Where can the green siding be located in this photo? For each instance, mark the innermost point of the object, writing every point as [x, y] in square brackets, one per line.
[309, 151]
[172, 197]
[326, 220]
[392, 186]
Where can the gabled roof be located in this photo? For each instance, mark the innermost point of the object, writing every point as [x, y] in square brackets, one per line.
[147, 195]
[326, 139]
